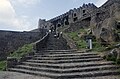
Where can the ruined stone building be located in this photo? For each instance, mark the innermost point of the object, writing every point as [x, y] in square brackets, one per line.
[69, 17]
[103, 21]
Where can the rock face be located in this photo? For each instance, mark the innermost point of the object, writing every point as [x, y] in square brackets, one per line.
[104, 24]
[10, 41]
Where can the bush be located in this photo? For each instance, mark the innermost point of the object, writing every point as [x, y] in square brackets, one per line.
[111, 58]
[118, 61]
[2, 65]
[98, 47]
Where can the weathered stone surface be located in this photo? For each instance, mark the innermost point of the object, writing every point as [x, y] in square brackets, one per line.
[115, 53]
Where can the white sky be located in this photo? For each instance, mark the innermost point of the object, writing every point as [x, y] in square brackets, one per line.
[21, 15]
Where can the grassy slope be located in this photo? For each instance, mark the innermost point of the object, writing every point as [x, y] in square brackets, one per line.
[22, 51]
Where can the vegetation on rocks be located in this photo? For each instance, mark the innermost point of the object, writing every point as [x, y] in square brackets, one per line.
[78, 38]
[22, 51]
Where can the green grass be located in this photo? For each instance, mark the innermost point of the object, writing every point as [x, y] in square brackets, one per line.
[98, 47]
[78, 41]
[3, 65]
[22, 51]
[82, 31]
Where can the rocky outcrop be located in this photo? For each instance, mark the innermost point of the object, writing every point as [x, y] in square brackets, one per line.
[104, 22]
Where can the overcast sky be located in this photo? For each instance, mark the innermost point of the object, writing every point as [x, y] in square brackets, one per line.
[23, 15]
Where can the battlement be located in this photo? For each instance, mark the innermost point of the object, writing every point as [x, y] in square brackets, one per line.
[89, 6]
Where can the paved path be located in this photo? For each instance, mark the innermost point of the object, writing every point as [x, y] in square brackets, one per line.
[14, 75]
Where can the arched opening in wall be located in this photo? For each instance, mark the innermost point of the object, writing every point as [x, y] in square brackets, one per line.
[118, 26]
[45, 26]
[66, 23]
[84, 12]
[58, 25]
[75, 19]
[75, 14]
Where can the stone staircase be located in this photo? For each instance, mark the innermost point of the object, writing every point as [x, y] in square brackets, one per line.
[56, 43]
[68, 64]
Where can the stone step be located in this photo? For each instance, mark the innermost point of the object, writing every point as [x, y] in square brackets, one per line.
[65, 58]
[68, 65]
[103, 77]
[63, 55]
[73, 50]
[65, 61]
[69, 75]
[90, 74]
[55, 52]
[71, 70]
[48, 53]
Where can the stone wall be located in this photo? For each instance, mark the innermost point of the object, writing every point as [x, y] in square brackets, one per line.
[10, 40]
[69, 17]
[85, 23]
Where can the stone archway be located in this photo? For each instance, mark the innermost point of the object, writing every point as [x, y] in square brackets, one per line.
[75, 18]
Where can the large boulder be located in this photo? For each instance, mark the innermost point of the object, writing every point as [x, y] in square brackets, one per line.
[113, 55]
[108, 36]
